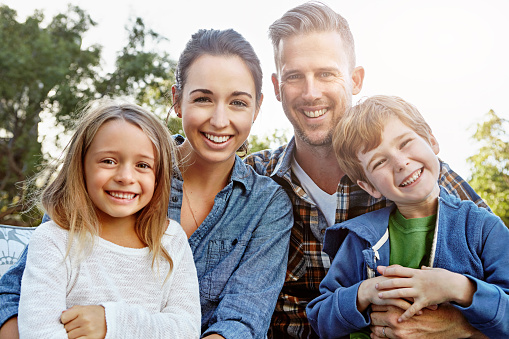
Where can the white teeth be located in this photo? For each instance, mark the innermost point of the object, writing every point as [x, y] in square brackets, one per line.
[314, 114]
[122, 195]
[217, 139]
[412, 178]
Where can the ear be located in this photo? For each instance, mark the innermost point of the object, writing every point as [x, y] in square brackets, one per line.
[368, 188]
[434, 144]
[258, 108]
[357, 79]
[275, 83]
[174, 97]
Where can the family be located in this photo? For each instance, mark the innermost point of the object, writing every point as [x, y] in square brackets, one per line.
[354, 229]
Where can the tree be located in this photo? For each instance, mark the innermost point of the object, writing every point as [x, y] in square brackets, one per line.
[46, 69]
[490, 174]
[276, 139]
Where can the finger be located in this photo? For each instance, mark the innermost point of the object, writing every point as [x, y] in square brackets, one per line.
[410, 312]
[393, 283]
[398, 293]
[380, 331]
[432, 307]
[399, 271]
[72, 325]
[68, 315]
[379, 308]
[381, 269]
[75, 333]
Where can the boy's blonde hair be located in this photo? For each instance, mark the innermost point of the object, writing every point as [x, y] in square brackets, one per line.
[66, 199]
[360, 130]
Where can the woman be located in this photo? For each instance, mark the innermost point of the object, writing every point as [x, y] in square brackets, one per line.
[238, 222]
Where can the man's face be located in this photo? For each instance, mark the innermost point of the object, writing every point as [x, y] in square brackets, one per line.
[315, 85]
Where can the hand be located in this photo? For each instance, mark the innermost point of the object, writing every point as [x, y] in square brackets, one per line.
[369, 294]
[9, 330]
[214, 336]
[427, 287]
[84, 322]
[446, 322]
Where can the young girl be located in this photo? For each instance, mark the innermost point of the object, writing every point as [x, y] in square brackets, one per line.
[238, 222]
[109, 263]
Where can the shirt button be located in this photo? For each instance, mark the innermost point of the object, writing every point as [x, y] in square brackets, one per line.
[174, 199]
[323, 231]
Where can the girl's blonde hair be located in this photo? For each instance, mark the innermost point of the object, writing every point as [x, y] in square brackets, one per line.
[66, 199]
[360, 130]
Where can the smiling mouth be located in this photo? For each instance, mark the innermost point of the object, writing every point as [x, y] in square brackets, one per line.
[412, 179]
[217, 139]
[315, 114]
[122, 195]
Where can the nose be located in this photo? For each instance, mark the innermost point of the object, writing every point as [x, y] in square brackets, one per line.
[311, 90]
[124, 175]
[219, 117]
[401, 163]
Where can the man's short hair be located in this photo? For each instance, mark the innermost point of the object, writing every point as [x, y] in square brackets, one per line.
[310, 17]
[360, 130]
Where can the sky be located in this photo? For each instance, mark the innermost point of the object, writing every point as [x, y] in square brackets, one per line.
[448, 58]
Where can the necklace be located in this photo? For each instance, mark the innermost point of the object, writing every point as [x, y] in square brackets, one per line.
[189, 204]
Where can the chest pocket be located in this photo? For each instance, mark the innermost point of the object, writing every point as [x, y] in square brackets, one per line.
[223, 257]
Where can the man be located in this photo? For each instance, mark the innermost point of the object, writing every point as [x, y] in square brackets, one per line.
[315, 80]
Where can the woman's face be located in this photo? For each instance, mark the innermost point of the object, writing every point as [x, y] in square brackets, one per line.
[217, 106]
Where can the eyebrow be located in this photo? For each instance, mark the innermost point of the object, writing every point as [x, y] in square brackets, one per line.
[106, 152]
[207, 91]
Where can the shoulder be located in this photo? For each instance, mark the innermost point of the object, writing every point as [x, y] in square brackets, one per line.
[457, 186]
[265, 161]
[174, 238]
[465, 210]
[49, 229]
[369, 227]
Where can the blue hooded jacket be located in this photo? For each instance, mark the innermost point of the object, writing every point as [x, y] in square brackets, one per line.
[468, 240]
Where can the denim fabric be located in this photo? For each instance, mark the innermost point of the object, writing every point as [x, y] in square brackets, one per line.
[241, 252]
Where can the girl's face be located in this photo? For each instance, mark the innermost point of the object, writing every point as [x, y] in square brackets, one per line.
[119, 171]
[218, 107]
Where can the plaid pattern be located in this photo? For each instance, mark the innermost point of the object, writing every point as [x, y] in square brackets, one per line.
[307, 264]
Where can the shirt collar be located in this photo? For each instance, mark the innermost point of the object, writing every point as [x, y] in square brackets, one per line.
[284, 163]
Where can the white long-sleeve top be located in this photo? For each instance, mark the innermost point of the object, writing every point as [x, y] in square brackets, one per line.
[138, 302]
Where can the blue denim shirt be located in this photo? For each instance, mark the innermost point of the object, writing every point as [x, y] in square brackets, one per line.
[240, 251]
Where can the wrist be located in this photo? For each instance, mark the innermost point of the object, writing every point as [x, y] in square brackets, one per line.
[464, 290]
[363, 297]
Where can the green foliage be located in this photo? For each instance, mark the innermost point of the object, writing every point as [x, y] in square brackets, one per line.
[490, 174]
[259, 143]
[46, 69]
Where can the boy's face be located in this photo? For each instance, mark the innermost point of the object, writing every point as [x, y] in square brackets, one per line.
[404, 167]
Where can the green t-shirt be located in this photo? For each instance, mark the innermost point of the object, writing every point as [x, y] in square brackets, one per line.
[411, 241]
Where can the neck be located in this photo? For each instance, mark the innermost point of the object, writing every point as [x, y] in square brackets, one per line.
[120, 231]
[198, 173]
[422, 209]
[319, 162]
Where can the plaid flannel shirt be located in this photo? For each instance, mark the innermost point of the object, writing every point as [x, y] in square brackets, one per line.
[307, 264]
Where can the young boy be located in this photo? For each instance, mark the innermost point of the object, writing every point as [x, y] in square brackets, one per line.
[449, 250]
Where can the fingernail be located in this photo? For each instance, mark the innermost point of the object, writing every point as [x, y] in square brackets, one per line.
[376, 286]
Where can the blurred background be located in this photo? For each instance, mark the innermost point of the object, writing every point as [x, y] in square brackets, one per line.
[447, 58]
